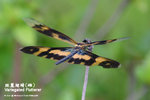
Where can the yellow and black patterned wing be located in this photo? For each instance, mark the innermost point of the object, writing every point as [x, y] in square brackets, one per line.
[107, 41]
[49, 31]
[82, 57]
[46, 52]
[90, 59]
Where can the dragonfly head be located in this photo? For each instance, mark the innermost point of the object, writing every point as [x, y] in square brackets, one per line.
[87, 41]
[87, 45]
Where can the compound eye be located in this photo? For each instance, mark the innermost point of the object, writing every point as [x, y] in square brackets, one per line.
[85, 41]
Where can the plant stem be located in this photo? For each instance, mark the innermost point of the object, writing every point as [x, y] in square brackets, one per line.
[85, 82]
[111, 22]
[16, 77]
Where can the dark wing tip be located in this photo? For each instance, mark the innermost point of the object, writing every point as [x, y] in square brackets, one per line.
[110, 64]
[29, 49]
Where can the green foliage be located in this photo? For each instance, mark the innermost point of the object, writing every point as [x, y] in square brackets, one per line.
[21, 32]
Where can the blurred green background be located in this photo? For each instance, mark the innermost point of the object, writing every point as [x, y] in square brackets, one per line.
[93, 19]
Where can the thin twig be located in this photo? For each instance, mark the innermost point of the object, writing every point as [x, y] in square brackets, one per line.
[138, 94]
[81, 31]
[17, 69]
[133, 93]
[51, 75]
[110, 23]
[85, 82]
[17, 64]
[1, 93]
[86, 73]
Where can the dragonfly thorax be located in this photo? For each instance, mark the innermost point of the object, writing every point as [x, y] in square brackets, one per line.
[85, 44]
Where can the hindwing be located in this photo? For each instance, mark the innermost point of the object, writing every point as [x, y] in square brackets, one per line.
[46, 52]
[81, 57]
[90, 59]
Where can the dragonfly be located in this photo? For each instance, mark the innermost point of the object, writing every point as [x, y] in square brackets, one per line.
[80, 53]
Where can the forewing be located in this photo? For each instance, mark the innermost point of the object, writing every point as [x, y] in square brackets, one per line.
[46, 52]
[90, 59]
[49, 31]
[107, 41]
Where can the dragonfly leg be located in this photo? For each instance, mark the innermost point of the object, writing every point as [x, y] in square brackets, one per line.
[67, 57]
